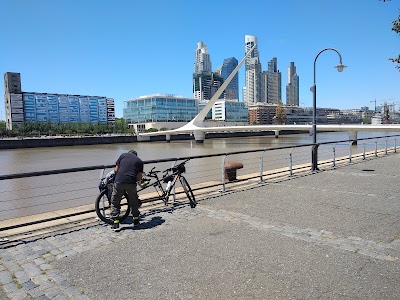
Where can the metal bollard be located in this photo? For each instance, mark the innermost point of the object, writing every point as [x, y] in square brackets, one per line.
[376, 148]
[291, 163]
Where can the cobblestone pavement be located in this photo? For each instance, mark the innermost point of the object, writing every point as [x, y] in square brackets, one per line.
[29, 270]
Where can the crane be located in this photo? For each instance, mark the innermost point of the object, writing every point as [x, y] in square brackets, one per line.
[375, 102]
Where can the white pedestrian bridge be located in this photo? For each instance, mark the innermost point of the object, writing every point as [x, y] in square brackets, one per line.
[199, 132]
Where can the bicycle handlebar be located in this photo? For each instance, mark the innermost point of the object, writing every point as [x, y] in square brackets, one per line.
[177, 167]
[153, 173]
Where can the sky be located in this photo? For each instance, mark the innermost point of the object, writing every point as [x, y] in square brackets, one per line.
[124, 49]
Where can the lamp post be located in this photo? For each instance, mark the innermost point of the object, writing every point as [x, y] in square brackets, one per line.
[314, 154]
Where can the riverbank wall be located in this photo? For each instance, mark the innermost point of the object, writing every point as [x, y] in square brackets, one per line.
[98, 140]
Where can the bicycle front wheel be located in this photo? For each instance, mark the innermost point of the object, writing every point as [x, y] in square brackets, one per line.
[188, 191]
[103, 208]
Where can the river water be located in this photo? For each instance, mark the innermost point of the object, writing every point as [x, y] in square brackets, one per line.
[27, 196]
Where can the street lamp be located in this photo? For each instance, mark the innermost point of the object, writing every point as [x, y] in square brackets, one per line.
[340, 67]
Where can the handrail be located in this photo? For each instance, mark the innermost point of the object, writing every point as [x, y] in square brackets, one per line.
[99, 167]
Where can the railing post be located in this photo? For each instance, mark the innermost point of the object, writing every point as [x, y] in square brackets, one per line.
[102, 173]
[223, 172]
[350, 152]
[291, 162]
[262, 166]
[173, 191]
[364, 151]
[314, 158]
[334, 156]
[386, 142]
[395, 146]
[376, 148]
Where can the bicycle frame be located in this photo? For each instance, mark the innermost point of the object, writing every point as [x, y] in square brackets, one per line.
[164, 193]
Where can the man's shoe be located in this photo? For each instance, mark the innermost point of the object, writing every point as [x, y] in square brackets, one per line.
[136, 221]
[115, 225]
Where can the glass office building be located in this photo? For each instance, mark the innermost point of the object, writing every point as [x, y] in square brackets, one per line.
[230, 111]
[56, 108]
[45, 107]
[160, 108]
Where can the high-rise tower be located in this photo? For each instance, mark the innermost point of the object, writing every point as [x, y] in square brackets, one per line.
[271, 83]
[253, 72]
[232, 90]
[202, 59]
[292, 88]
[205, 82]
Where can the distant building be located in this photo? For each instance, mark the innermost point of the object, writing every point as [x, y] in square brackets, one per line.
[271, 88]
[232, 90]
[160, 108]
[51, 107]
[261, 113]
[230, 111]
[202, 59]
[292, 88]
[253, 72]
[205, 85]
[205, 82]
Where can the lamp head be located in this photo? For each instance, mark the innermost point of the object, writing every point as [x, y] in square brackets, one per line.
[340, 67]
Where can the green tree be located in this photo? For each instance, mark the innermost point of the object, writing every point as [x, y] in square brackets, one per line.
[280, 114]
[3, 128]
[366, 121]
[396, 28]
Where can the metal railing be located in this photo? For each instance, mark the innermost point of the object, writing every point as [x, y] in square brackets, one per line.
[204, 172]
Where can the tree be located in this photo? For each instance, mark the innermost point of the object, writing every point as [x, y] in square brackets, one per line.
[396, 28]
[280, 115]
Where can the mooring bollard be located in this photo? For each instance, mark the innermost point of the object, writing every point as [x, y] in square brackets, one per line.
[230, 170]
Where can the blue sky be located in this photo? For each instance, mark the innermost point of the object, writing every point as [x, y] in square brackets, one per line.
[125, 49]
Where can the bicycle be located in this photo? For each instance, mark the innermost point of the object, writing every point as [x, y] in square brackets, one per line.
[170, 177]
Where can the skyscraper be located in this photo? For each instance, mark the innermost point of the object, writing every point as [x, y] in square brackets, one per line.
[232, 90]
[202, 59]
[205, 82]
[253, 72]
[292, 88]
[271, 83]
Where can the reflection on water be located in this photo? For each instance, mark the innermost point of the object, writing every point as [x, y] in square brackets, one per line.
[28, 196]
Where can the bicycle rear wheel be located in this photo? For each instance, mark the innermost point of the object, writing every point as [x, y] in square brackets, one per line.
[188, 191]
[103, 208]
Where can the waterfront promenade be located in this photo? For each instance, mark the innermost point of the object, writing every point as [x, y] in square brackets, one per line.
[330, 235]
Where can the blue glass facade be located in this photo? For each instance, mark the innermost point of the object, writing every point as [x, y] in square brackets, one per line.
[73, 109]
[236, 112]
[63, 108]
[102, 102]
[160, 108]
[232, 90]
[41, 108]
[29, 107]
[66, 108]
[52, 108]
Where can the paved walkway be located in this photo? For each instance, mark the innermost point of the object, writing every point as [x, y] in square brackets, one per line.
[331, 235]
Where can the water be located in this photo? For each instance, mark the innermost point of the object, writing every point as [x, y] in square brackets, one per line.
[27, 196]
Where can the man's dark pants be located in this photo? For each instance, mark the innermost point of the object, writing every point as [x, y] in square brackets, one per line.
[118, 191]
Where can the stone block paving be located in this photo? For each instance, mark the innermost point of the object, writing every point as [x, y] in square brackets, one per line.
[26, 270]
